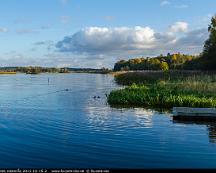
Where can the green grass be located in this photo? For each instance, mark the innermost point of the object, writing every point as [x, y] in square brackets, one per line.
[165, 90]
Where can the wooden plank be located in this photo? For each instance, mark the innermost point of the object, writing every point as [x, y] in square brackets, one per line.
[186, 111]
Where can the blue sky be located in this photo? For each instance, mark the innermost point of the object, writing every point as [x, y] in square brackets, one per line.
[96, 33]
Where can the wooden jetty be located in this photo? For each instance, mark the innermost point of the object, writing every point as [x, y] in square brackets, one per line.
[186, 113]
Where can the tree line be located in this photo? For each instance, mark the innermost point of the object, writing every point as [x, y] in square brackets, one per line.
[34, 69]
[168, 62]
[38, 69]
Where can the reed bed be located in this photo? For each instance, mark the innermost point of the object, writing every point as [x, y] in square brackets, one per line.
[165, 89]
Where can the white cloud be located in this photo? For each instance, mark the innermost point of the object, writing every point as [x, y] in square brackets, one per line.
[96, 39]
[168, 2]
[3, 30]
[165, 2]
[179, 27]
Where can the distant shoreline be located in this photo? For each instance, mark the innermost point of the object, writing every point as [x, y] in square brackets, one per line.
[38, 70]
[8, 72]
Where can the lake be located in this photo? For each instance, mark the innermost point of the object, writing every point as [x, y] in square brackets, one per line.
[62, 125]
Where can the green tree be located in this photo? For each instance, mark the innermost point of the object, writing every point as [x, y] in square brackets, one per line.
[208, 59]
[164, 66]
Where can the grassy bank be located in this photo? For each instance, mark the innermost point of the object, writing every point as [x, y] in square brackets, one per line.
[2, 72]
[165, 89]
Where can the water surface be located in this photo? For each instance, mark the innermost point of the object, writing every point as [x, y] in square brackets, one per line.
[62, 125]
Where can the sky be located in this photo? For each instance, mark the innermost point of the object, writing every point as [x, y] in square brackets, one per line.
[97, 33]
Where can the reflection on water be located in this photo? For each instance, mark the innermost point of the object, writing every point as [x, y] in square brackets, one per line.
[212, 133]
[63, 125]
[100, 116]
[144, 117]
[211, 128]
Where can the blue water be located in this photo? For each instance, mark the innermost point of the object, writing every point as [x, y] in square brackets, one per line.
[48, 126]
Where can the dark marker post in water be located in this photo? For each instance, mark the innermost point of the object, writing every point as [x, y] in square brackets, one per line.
[48, 81]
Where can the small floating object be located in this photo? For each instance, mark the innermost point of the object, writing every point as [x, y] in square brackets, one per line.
[186, 113]
[96, 97]
[66, 89]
